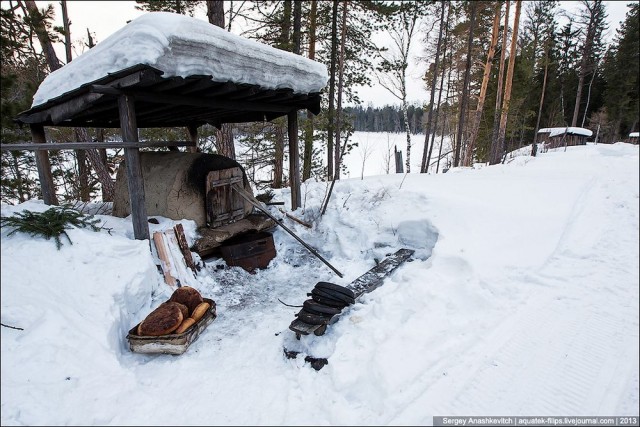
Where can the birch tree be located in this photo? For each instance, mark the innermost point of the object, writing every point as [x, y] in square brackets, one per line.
[394, 63]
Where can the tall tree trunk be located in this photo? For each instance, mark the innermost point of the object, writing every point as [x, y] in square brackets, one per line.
[43, 38]
[67, 30]
[332, 88]
[297, 17]
[278, 155]
[215, 12]
[343, 38]
[285, 33]
[534, 146]
[586, 107]
[465, 87]
[81, 155]
[224, 136]
[468, 154]
[407, 131]
[507, 90]
[425, 161]
[435, 124]
[493, 153]
[586, 56]
[108, 186]
[308, 130]
[102, 152]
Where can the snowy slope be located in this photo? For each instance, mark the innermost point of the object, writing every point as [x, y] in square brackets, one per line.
[522, 300]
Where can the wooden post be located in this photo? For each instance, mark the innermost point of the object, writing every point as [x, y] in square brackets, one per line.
[398, 159]
[294, 160]
[44, 166]
[129, 129]
[193, 137]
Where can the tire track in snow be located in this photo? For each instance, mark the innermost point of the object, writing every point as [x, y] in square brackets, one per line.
[572, 348]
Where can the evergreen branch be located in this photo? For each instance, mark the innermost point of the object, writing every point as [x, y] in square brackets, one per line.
[51, 223]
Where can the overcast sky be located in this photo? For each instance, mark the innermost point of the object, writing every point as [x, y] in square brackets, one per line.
[105, 17]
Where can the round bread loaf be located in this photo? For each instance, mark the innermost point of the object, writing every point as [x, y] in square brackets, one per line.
[200, 310]
[186, 324]
[188, 296]
[161, 321]
[183, 308]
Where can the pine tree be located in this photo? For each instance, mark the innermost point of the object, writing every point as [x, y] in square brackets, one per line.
[507, 90]
[469, 152]
[308, 125]
[465, 88]
[495, 150]
[426, 153]
[182, 7]
[593, 17]
[22, 70]
[621, 70]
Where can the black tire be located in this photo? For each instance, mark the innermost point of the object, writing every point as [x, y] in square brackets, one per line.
[317, 308]
[332, 287]
[320, 331]
[338, 296]
[311, 318]
[328, 301]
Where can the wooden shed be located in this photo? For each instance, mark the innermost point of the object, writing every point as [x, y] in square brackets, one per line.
[563, 136]
[168, 70]
[633, 137]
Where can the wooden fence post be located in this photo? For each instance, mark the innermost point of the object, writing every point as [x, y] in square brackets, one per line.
[44, 166]
[129, 129]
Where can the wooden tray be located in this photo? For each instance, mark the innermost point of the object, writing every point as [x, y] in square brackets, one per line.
[171, 343]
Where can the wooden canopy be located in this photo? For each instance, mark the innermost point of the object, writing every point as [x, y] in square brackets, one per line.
[167, 102]
[139, 96]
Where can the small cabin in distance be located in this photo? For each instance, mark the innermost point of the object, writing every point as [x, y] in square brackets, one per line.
[633, 138]
[561, 136]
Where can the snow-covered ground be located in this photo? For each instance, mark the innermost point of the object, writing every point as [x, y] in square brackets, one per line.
[374, 154]
[522, 300]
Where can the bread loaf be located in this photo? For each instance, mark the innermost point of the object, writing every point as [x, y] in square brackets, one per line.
[200, 311]
[186, 324]
[188, 296]
[161, 321]
[183, 308]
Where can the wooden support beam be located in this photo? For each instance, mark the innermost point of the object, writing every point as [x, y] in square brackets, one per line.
[129, 129]
[53, 146]
[44, 167]
[193, 136]
[165, 98]
[294, 160]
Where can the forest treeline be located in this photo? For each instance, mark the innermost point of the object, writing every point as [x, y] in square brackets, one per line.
[494, 71]
[389, 118]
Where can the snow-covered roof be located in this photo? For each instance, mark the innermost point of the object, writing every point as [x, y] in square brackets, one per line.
[182, 46]
[569, 130]
[634, 135]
